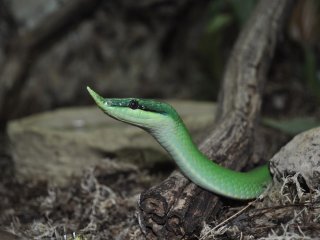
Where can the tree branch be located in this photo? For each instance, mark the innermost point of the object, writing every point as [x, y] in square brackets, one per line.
[183, 207]
[23, 50]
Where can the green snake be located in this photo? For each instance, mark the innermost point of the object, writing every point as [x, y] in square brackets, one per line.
[163, 122]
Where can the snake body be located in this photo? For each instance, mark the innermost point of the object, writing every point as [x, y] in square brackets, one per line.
[163, 122]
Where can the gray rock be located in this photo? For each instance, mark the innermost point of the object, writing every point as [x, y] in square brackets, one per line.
[56, 145]
[300, 155]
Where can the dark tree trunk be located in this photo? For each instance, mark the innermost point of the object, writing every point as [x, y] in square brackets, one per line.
[176, 207]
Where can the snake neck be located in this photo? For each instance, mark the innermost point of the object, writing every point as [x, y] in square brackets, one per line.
[177, 141]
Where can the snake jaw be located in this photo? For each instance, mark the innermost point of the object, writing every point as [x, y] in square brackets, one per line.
[100, 101]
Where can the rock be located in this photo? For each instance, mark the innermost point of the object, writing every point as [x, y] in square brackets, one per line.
[300, 155]
[56, 145]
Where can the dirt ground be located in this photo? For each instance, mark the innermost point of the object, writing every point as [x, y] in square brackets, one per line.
[100, 205]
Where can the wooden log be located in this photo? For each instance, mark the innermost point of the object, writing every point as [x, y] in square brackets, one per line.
[177, 208]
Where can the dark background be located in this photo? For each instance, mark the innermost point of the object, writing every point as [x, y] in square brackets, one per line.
[152, 49]
[51, 50]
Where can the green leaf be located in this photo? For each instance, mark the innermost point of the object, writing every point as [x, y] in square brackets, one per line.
[219, 22]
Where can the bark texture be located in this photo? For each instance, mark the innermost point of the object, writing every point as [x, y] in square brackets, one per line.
[176, 207]
[24, 49]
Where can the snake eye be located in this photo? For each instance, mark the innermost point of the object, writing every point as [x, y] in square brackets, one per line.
[133, 104]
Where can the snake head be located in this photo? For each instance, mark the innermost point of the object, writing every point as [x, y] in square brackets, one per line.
[145, 113]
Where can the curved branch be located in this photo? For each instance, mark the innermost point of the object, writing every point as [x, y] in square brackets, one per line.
[183, 206]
